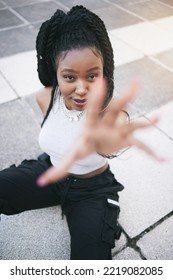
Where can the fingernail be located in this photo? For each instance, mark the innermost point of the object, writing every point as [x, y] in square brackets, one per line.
[163, 159]
[41, 182]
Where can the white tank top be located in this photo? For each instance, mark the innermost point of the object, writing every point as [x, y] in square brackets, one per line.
[58, 135]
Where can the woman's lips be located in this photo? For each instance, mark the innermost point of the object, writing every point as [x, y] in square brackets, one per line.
[80, 102]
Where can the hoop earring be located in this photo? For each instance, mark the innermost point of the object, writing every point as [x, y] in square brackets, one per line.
[55, 97]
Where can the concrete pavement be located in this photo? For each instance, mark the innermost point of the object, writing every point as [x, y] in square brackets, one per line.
[141, 34]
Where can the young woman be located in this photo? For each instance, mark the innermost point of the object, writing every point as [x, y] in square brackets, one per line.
[82, 127]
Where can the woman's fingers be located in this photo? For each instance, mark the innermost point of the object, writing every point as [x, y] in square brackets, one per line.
[54, 174]
[142, 146]
[117, 105]
[131, 127]
[81, 149]
[95, 102]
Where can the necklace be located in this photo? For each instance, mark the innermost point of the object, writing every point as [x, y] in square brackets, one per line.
[71, 117]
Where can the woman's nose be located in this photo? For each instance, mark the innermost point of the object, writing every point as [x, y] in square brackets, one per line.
[81, 88]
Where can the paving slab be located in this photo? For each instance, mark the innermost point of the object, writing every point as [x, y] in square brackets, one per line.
[158, 243]
[15, 3]
[38, 12]
[148, 192]
[31, 100]
[17, 40]
[19, 133]
[21, 72]
[123, 2]
[166, 58]
[7, 93]
[146, 37]
[89, 4]
[127, 254]
[2, 5]
[165, 122]
[109, 14]
[166, 23]
[123, 53]
[35, 235]
[156, 83]
[150, 10]
[7, 18]
[167, 2]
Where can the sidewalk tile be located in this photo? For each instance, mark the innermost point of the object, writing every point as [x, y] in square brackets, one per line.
[168, 2]
[124, 53]
[19, 133]
[147, 37]
[17, 40]
[148, 192]
[35, 235]
[150, 10]
[31, 100]
[7, 19]
[127, 254]
[89, 4]
[14, 3]
[38, 12]
[2, 5]
[7, 93]
[166, 58]
[125, 2]
[166, 118]
[166, 23]
[114, 17]
[21, 72]
[158, 243]
[156, 83]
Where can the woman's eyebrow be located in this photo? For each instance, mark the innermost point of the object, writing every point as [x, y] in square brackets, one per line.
[94, 68]
[69, 70]
[73, 71]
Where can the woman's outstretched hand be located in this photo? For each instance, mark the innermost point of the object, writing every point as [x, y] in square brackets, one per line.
[102, 133]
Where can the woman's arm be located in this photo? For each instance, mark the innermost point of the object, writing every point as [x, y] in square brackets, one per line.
[102, 134]
[43, 97]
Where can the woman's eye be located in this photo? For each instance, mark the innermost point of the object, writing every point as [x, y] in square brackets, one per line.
[69, 78]
[92, 77]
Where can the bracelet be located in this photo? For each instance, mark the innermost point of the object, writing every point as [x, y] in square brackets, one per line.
[127, 114]
[112, 155]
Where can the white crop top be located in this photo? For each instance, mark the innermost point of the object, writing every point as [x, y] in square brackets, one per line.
[58, 135]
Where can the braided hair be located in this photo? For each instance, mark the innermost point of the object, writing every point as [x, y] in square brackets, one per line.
[78, 28]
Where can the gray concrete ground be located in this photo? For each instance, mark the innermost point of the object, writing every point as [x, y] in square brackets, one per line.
[141, 34]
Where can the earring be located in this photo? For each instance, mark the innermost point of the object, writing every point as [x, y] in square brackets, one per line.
[56, 96]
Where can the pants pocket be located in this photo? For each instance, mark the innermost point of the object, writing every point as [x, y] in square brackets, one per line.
[111, 228]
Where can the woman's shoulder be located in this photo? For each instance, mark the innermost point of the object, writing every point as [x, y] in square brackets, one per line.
[43, 97]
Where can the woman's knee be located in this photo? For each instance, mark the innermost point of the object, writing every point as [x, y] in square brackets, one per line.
[7, 209]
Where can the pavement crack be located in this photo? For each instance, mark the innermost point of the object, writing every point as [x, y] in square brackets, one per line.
[153, 226]
[158, 128]
[9, 84]
[132, 242]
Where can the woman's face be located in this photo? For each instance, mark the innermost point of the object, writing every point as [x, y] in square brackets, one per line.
[77, 72]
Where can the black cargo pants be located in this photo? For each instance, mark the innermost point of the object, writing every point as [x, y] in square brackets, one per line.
[90, 205]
